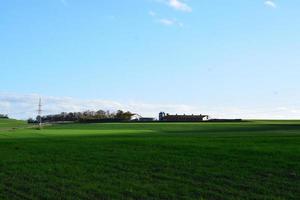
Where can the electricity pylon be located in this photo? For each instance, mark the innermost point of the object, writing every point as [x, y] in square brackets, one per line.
[40, 113]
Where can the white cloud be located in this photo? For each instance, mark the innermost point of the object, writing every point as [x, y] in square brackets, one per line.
[25, 106]
[270, 4]
[179, 5]
[170, 22]
[152, 13]
[167, 22]
[175, 4]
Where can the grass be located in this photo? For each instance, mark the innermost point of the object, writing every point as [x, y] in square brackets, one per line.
[8, 124]
[252, 160]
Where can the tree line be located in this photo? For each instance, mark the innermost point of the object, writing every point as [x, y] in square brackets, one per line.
[85, 117]
[2, 116]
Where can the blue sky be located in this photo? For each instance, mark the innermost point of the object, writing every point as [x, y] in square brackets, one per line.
[236, 58]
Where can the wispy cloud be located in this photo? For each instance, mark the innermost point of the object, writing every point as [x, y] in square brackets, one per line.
[179, 5]
[24, 106]
[165, 21]
[270, 4]
[170, 22]
[175, 4]
[152, 13]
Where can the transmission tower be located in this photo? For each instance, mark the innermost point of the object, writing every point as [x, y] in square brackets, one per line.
[40, 113]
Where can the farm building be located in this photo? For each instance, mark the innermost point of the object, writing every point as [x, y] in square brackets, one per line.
[146, 119]
[182, 118]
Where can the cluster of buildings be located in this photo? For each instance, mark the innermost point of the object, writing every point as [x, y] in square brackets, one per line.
[166, 117]
[181, 118]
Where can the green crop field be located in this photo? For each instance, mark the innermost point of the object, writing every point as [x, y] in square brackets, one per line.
[8, 124]
[251, 160]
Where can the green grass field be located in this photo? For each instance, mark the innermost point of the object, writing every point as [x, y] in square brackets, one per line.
[251, 160]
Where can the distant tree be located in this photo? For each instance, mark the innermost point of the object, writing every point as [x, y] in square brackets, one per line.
[31, 121]
[2, 116]
[38, 118]
[123, 116]
[86, 116]
[102, 114]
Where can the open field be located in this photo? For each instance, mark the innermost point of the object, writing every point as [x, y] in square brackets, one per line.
[8, 124]
[252, 160]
